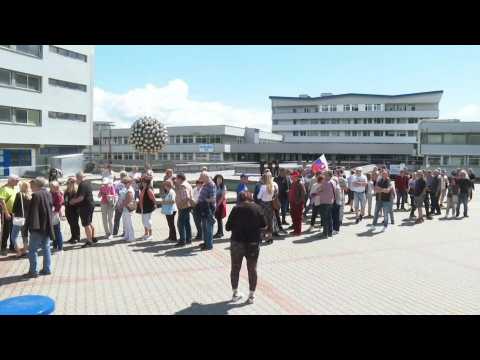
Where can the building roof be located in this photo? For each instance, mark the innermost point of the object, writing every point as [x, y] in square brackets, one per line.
[355, 94]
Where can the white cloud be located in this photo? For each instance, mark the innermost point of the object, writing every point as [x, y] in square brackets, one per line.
[470, 112]
[171, 105]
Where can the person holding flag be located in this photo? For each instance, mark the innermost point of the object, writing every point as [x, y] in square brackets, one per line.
[320, 165]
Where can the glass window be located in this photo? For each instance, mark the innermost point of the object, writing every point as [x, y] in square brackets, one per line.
[324, 133]
[366, 133]
[348, 133]
[378, 133]
[368, 107]
[215, 157]
[401, 121]
[389, 121]
[34, 83]
[434, 138]
[314, 122]
[21, 80]
[474, 160]
[304, 122]
[434, 160]
[377, 107]
[324, 107]
[389, 133]
[294, 122]
[5, 77]
[333, 107]
[355, 107]
[5, 114]
[275, 122]
[457, 139]
[334, 133]
[379, 121]
[295, 133]
[34, 117]
[456, 161]
[303, 133]
[401, 133]
[68, 53]
[346, 107]
[355, 133]
[358, 121]
[188, 139]
[294, 110]
[474, 139]
[412, 133]
[35, 50]
[412, 120]
[21, 116]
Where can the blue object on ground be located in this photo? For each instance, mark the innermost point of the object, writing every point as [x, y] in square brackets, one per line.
[27, 305]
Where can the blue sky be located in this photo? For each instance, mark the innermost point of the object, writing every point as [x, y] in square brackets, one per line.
[241, 78]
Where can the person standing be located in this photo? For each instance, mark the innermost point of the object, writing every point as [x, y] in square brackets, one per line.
[339, 204]
[196, 210]
[326, 199]
[221, 204]
[166, 177]
[401, 186]
[119, 190]
[39, 225]
[383, 189]
[314, 196]
[283, 184]
[242, 186]
[266, 195]
[169, 209]
[147, 206]
[184, 201]
[21, 207]
[350, 191]
[411, 193]
[420, 192]
[206, 203]
[107, 197]
[71, 211]
[435, 190]
[369, 193]
[129, 206]
[472, 177]
[444, 186]
[84, 201]
[452, 197]
[245, 221]
[8, 193]
[358, 186]
[58, 213]
[465, 186]
[296, 198]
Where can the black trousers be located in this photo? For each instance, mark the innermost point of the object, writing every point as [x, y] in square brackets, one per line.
[336, 217]
[326, 215]
[7, 229]
[435, 206]
[219, 224]
[315, 213]
[198, 221]
[171, 226]
[116, 220]
[72, 216]
[413, 207]
[238, 251]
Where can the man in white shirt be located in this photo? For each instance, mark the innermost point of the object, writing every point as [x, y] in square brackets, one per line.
[350, 192]
[358, 185]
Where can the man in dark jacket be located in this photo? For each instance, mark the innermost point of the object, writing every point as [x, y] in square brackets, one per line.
[283, 188]
[39, 225]
[435, 190]
[246, 220]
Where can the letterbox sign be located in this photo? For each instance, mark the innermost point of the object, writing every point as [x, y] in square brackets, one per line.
[206, 148]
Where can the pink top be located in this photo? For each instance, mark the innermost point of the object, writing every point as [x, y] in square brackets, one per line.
[326, 193]
[105, 190]
[57, 198]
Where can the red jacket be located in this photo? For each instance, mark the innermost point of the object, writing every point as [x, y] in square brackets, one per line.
[401, 183]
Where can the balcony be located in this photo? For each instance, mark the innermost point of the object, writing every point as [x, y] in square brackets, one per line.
[354, 114]
[352, 139]
[337, 127]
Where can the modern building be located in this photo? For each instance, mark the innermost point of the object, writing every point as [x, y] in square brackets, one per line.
[210, 143]
[352, 126]
[450, 144]
[46, 103]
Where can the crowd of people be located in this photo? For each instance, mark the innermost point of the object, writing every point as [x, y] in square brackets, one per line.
[34, 210]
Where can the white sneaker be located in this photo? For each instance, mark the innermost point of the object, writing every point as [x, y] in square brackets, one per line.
[149, 238]
[251, 299]
[59, 252]
[236, 296]
[310, 229]
[110, 237]
[145, 237]
[384, 228]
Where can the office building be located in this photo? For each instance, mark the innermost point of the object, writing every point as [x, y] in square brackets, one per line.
[355, 126]
[210, 143]
[46, 104]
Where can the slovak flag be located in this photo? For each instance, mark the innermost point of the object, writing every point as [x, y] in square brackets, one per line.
[320, 164]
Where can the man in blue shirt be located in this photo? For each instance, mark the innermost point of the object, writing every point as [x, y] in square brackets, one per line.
[242, 187]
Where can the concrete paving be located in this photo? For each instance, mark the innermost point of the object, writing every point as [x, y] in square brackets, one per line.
[431, 268]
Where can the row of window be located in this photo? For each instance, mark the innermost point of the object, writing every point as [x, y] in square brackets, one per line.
[354, 133]
[33, 50]
[164, 156]
[347, 107]
[68, 53]
[34, 117]
[360, 121]
[453, 160]
[197, 139]
[67, 84]
[20, 80]
[451, 139]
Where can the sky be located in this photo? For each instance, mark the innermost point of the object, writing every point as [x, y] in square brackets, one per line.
[195, 85]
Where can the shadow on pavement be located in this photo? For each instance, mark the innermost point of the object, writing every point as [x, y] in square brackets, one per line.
[310, 238]
[369, 233]
[187, 250]
[220, 308]
[11, 280]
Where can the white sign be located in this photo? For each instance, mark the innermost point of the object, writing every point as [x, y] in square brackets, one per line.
[206, 148]
[227, 148]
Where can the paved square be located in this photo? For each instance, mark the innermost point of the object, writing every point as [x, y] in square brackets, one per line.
[432, 268]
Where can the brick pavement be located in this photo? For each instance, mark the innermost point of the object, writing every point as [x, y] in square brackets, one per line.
[430, 268]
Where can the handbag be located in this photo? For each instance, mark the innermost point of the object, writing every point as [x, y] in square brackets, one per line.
[19, 221]
[56, 219]
[276, 205]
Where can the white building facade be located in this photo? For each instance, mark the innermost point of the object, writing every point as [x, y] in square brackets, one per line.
[356, 121]
[46, 103]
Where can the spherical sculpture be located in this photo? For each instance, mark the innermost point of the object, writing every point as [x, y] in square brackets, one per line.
[148, 135]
